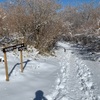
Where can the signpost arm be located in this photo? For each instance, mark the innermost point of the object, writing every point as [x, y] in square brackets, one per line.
[6, 67]
[21, 59]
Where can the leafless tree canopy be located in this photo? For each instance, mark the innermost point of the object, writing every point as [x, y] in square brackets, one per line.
[44, 22]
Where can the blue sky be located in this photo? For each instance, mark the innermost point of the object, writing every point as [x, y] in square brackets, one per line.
[2, 0]
[76, 2]
[71, 2]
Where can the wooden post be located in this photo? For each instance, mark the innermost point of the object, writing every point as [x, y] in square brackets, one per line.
[21, 60]
[6, 67]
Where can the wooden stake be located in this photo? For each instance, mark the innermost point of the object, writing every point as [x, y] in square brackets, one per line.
[21, 60]
[6, 67]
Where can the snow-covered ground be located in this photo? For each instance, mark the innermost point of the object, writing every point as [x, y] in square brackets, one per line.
[65, 76]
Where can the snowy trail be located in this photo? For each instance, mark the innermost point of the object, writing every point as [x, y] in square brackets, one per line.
[75, 81]
[64, 77]
[85, 79]
[38, 75]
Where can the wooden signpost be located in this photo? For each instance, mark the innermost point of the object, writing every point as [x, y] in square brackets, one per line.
[6, 67]
[20, 47]
[21, 56]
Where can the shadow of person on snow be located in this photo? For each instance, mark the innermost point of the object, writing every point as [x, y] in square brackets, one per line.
[39, 95]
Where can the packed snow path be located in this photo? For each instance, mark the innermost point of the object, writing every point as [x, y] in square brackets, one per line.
[75, 81]
[64, 77]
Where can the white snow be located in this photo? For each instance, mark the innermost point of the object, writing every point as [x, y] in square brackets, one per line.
[64, 76]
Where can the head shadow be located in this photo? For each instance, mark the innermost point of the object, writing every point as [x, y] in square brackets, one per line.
[39, 95]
